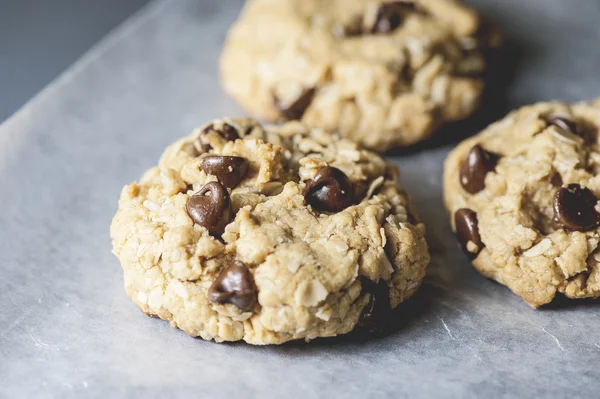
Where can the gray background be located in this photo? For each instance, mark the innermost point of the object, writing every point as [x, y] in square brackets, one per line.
[40, 38]
[68, 330]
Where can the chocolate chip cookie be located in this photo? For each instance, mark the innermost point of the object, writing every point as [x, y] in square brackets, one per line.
[268, 234]
[383, 73]
[523, 198]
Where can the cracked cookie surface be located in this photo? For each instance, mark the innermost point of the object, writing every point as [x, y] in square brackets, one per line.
[523, 198]
[268, 235]
[383, 73]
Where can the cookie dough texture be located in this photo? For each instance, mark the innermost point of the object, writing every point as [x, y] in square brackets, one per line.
[307, 266]
[384, 74]
[522, 247]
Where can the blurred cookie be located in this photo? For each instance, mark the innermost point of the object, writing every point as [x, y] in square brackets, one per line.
[383, 73]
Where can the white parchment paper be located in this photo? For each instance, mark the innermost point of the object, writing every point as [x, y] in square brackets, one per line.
[67, 328]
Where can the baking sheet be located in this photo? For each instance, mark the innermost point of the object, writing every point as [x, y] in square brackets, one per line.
[68, 329]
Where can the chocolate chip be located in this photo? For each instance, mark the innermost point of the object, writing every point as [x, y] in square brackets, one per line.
[475, 167]
[575, 209]
[377, 314]
[234, 285]
[563, 123]
[226, 131]
[391, 15]
[229, 170]
[296, 109]
[211, 208]
[329, 191]
[467, 231]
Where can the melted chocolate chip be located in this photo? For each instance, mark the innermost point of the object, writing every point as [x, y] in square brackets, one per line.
[563, 123]
[329, 191]
[376, 315]
[475, 167]
[391, 15]
[234, 285]
[467, 230]
[211, 208]
[575, 209]
[229, 170]
[296, 109]
[226, 131]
